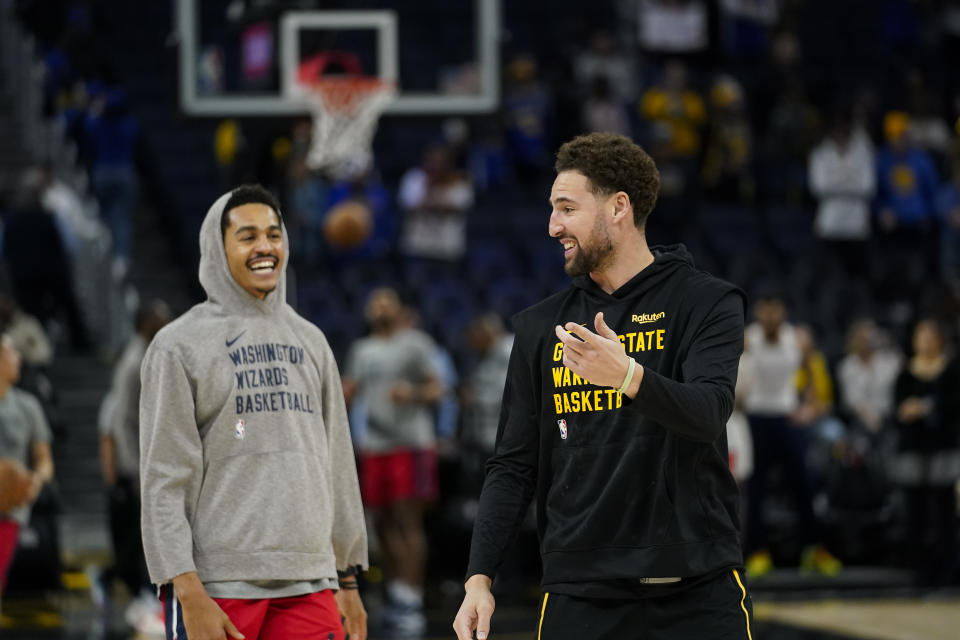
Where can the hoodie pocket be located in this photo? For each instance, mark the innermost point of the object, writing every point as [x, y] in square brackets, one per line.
[276, 501]
[610, 495]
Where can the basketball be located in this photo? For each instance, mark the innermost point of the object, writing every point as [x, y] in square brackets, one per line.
[348, 224]
[15, 483]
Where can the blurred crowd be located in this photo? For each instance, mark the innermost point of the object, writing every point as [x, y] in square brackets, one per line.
[809, 151]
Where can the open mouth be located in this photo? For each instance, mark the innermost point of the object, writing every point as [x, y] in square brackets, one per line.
[568, 246]
[262, 265]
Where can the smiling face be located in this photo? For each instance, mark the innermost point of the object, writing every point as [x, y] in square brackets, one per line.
[253, 242]
[579, 220]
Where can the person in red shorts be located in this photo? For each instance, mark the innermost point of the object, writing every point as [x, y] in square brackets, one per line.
[252, 520]
[392, 385]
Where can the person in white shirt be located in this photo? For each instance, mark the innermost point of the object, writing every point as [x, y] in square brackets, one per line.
[843, 181]
[774, 355]
[867, 375]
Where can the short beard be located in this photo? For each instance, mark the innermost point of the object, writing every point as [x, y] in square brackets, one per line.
[594, 257]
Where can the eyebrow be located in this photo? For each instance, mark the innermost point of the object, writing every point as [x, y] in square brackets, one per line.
[250, 227]
[560, 199]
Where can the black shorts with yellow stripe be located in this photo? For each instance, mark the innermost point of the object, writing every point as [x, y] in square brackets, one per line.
[715, 608]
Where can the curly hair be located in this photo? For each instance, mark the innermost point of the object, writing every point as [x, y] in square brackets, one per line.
[614, 163]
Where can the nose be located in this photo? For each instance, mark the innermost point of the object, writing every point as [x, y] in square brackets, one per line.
[554, 227]
[263, 244]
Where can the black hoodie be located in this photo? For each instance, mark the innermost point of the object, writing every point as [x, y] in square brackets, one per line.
[625, 489]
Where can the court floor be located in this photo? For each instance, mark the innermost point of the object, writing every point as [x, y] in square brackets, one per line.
[71, 615]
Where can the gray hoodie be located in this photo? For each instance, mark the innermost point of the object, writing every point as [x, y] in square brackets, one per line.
[247, 468]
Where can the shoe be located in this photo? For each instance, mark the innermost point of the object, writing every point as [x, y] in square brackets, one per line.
[759, 564]
[817, 559]
[405, 621]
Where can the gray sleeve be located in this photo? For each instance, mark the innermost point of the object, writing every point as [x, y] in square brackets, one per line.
[39, 427]
[171, 465]
[349, 529]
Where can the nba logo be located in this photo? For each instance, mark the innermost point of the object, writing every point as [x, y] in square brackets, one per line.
[239, 432]
[563, 428]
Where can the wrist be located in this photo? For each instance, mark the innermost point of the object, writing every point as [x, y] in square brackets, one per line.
[477, 581]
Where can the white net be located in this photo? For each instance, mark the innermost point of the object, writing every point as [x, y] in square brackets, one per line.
[345, 114]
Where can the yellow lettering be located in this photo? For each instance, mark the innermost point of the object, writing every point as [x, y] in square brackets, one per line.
[585, 400]
[574, 402]
[597, 398]
[660, 334]
[558, 352]
[558, 403]
[566, 377]
[566, 404]
[558, 376]
[610, 393]
[619, 400]
[577, 380]
[631, 348]
[650, 339]
[622, 339]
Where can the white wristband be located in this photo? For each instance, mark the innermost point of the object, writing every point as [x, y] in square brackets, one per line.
[627, 380]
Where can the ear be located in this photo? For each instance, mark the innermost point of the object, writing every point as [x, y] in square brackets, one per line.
[622, 209]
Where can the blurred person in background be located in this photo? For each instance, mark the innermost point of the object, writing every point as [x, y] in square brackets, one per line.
[391, 378]
[927, 464]
[842, 178]
[948, 210]
[112, 134]
[866, 377]
[25, 439]
[39, 266]
[119, 425]
[727, 171]
[603, 110]
[527, 105]
[772, 402]
[907, 186]
[482, 393]
[435, 198]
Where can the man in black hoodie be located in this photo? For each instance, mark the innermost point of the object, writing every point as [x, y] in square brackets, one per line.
[613, 416]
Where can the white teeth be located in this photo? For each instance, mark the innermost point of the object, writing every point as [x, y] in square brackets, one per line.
[261, 265]
[568, 245]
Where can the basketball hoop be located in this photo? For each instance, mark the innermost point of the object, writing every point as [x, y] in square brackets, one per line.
[345, 112]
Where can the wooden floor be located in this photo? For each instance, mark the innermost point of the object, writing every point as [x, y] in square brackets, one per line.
[930, 618]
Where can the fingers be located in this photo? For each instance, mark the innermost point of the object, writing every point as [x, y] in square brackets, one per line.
[356, 628]
[463, 625]
[231, 630]
[603, 329]
[484, 611]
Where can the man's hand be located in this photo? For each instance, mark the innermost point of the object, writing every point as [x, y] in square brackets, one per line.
[476, 610]
[354, 615]
[203, 618]
[598, 357]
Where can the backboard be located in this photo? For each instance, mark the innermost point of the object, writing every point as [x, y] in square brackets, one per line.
[243, 57]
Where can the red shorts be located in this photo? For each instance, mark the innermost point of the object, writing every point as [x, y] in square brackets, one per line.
[9, 531]
[310, 617]
[400, 475]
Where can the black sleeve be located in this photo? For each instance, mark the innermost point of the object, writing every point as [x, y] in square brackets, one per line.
[698, 408]
[511, 471]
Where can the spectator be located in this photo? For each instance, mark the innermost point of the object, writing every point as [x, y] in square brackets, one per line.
[604, 111]
[120, 463]
[435, 197]
[482, 393]
[728, 154]
[775, 355]
[907, 184]
[392, 375]
[739, 442]
[866, 376]
[673, 26]
[526, 109]
[39, 267]
[842, 179]
[24, 438]
[926, 403]
[948, 209]
[603, 59]
[112, 134]
[792, 129]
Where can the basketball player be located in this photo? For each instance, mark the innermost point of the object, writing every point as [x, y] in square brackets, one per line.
[251, 505]
[614, 414]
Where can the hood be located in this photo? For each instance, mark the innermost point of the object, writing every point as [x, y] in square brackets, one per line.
[666, 260]
[215, 277]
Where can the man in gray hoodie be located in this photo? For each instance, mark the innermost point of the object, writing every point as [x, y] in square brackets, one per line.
[252, 517]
